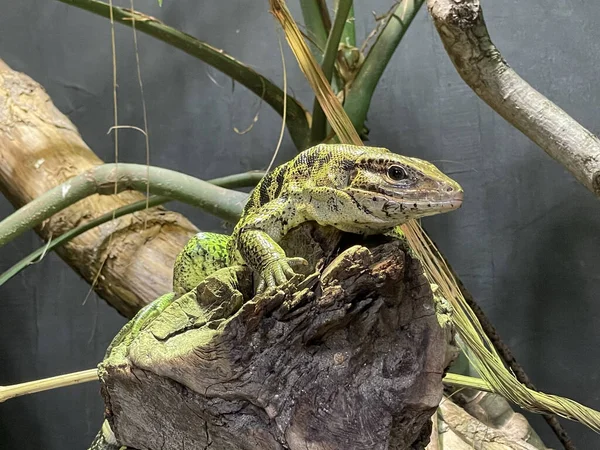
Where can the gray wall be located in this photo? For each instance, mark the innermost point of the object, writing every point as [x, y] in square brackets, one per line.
[525, 242]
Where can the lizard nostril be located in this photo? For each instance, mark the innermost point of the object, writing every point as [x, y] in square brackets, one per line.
[449, 189]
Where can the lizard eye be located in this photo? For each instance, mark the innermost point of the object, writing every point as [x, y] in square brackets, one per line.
[397, 173]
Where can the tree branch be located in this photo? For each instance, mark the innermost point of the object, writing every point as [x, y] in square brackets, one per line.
[223, 203]
[297, 117]
[233, 181]
[464, 34]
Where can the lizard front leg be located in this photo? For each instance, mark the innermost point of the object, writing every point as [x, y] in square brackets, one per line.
[267, 259]
[256, 237]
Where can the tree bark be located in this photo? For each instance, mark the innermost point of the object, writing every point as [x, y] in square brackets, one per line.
[40, 149]
[354, 361]
[463, 31]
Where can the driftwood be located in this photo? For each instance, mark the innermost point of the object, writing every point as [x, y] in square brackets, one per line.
[352, 360]
[464, 34]
[40, 149]
[475, 419]
[460, 430]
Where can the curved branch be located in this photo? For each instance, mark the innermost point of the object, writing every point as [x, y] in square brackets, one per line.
[480, 64]
[223, 203]
[247, 179]
[297, 118]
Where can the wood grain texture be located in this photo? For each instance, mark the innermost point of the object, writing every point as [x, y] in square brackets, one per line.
[356, 361]
[40, 149]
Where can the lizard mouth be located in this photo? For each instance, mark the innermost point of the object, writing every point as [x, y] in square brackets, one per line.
[456, 201]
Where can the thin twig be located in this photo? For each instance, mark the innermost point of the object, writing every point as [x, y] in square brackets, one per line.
[45, 384]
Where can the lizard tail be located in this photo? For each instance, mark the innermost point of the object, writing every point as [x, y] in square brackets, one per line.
[105, 439]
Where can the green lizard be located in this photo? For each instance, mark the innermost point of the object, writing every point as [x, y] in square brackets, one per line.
[356, 189]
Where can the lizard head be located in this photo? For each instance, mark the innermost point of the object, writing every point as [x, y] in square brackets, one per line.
[392, 189]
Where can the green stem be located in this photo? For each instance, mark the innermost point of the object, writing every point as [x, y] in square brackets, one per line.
[324, 15]
[221, 202]
[464, 381]
[349, 33]
[319, 124]
[297, 117]
[247, 179]
[239, 180]
[71, 234]
[359, 97]
[315, 28]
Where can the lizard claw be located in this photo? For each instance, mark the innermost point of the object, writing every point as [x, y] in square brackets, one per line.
[278, 272]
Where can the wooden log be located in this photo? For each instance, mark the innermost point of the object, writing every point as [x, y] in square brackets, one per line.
[354, 361]
[40, 149]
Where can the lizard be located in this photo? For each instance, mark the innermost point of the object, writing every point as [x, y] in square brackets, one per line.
[356, 189]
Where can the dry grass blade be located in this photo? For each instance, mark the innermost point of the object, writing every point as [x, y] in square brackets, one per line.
[17, 390]
[486, 361]
[332, 107]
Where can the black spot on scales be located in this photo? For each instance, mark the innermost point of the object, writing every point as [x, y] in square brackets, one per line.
[279, 179]
[360, 206]
[263, 191]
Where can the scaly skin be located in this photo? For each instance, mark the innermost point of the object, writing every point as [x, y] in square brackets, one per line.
[345, 186]
[204, 254]
[357, 189]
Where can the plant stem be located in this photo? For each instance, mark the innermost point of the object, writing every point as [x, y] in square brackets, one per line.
[319, 123]
[331, 105]
[45, 384]
[315, 28]
[221, 202]
[233, 181]
[507, 356]
[73, 233]
[349, 33]
[324, 15]
[464, 381]
[239, 180]
[359, 97]
[297, 117]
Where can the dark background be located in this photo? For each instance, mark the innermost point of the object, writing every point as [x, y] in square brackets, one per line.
[525, 242]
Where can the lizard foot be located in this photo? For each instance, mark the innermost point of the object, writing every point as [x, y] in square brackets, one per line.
[278, 272]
